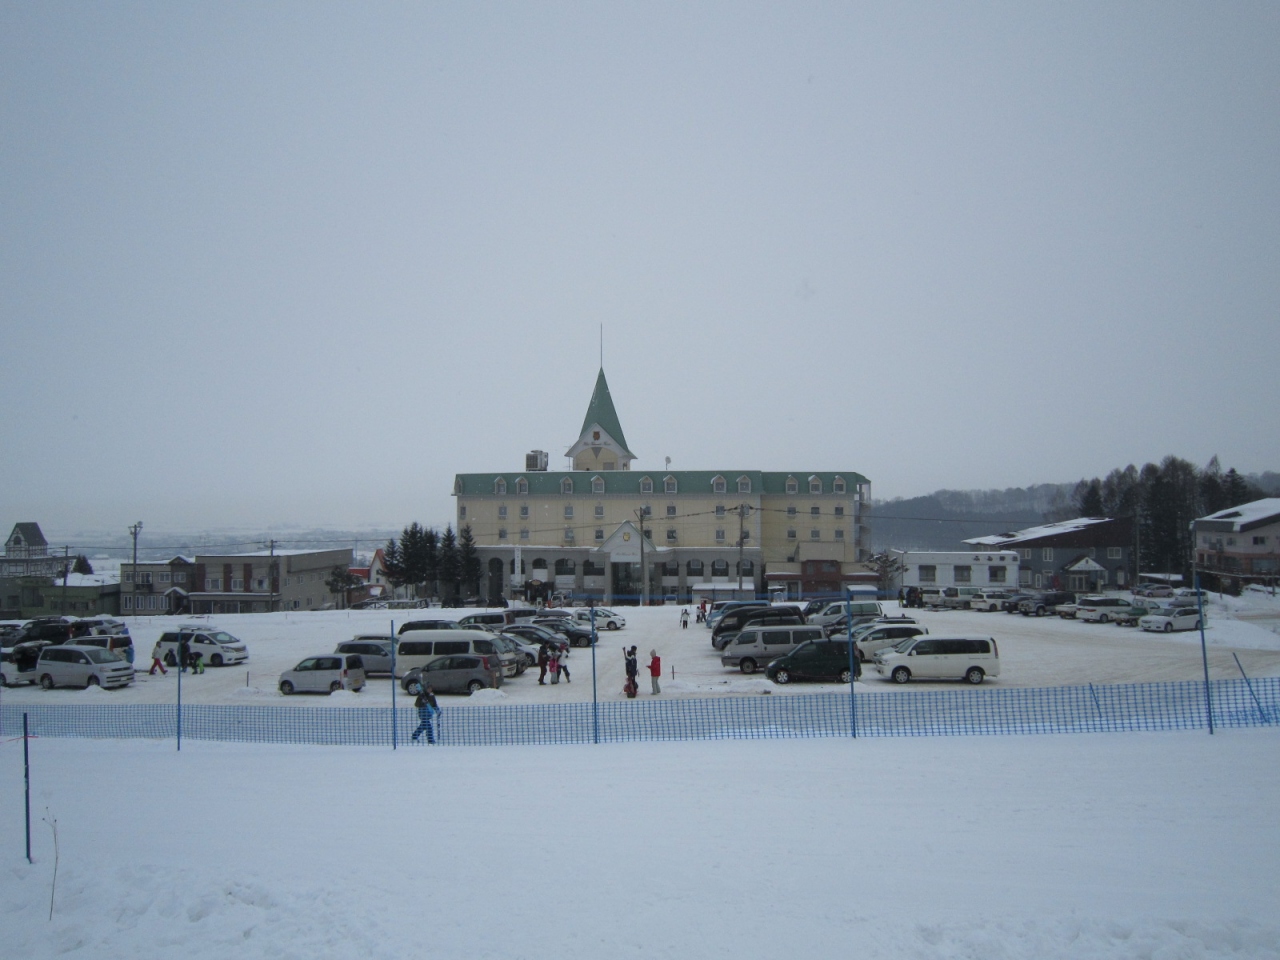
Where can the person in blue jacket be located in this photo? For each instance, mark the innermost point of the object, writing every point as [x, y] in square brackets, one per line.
[427, 710]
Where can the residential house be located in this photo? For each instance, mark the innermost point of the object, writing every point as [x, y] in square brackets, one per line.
[1240, 541]
[1084, 554]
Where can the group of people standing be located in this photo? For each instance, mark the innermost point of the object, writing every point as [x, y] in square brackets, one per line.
[186, 658]
[553, 661]
[632, 663]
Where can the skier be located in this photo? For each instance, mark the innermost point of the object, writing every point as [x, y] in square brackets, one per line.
[655, 671]
[427, 709]
[633, 668]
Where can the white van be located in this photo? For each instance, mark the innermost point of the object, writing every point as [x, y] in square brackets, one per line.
[416, 649]
[755, 646]
[79, 666]
[216, 647]
[940, 658]
[863, 610]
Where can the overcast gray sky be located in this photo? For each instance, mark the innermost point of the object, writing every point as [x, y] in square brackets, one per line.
[301, 263]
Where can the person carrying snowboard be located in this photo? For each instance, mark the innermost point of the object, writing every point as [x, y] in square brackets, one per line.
[633, 668]
[427, 710]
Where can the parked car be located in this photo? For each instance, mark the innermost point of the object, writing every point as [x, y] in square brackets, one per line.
[735, 620]
[722, 607]
[494, 620]
[1038, 606]
[459, 674]
[1170, 619]
[1100, 609]
[816, 660]
[875, 637]
[989, 600]
[840, 626]
[757, 646]
[577, 635]
[1014, 603]
[18, 663]
[536, 634]
[526, 649]
[862, 611]
[48, 629]
[957, 598]
[1128, 616]
[411, 625]
[71, 665]
[374, 651]
[514, 660]
[327, 673]
[120, 644]
[940, 658]
[216, 647]
[1153, 590]
[605, 619]
[419, 649]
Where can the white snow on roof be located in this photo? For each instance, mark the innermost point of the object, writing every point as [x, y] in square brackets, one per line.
[1035, 533]
[1248, 512]
[89, 580]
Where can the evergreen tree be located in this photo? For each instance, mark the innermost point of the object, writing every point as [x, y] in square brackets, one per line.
[412, 556]
[469, 561]
[1087, 499]
[1121, 493]
[1237, 490]
[392, 565]
[1212, 495]
[450, 565]
[431, 561]
[340, 580]
[82, 565]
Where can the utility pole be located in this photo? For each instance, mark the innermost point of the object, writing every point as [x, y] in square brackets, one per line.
[743, 510]
[644, 570]
[66, 572]
[133, 577]
[273, 578]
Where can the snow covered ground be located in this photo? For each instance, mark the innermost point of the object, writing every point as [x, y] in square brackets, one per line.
[1034, 652]
[1091, 846]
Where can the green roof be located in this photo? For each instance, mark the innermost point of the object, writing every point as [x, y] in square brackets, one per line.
[543, 483]
[601, 411]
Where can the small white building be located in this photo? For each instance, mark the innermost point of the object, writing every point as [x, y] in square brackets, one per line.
[978, 569]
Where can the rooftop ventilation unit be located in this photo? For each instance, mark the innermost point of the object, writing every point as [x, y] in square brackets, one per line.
[535, 460]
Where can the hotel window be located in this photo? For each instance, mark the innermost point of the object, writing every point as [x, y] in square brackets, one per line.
[694, 568]
[502, 533]
[646, 511]
[746, 568]
[566, 485]
[839, 533]
[717, 485]
[837, 485]
[793, 485]
[646, 485]
[599, 511]
[671, 509]
[500, 487]
[524, 533]
[597, 484]
[671, 568]
[524, 511]
[568, 511]
[568, 533]
[669, 485]
[964, 574]
[744, 484]
[815, 511]
[592, 569]
[502, 512]
[719, 536]
[522, 486]
[791, 533]
[462, 512]
[599, 534]
[815, 535]
[815, 485]
[719, 568]
[719, 509]
[791, 511]
[671, 535]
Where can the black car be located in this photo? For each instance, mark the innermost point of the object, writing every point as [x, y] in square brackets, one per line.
[1041, 604]
[536, 634]
[579, 636]
[53, 630]
[815, 660]
[1010, 604]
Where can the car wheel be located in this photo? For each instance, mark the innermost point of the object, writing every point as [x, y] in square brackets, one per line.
[335, 686]
[974, 675]
[782, 676]
[846, 675]
[215, 660]
[46, 681]
[1103, 618]
[611, 625]
[901, 674]
[1039, 611]
[747, 666]
[1168, 628]
[286, 687]
[93, 681]
[474, 685]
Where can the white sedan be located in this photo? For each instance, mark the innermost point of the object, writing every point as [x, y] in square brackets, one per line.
[1181, 618]
[605, 619]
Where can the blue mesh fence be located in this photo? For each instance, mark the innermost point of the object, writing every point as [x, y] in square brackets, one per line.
[911, 713]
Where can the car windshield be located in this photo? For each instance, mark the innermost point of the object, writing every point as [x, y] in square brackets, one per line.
[902, 646]
[97, 655]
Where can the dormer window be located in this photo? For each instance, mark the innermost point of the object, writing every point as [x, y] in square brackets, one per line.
[792, 485]
[522, 487]
[717, 485]
[597, 484]
[669, 485]
[646, 485]
[500, 487]
[744, 484]
[566, 485]
[815, 485]
[837, 485]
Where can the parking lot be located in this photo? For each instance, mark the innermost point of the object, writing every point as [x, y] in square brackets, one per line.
[1034, 652]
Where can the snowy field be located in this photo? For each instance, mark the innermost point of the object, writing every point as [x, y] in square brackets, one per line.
[1034, 652]
[1090, 846]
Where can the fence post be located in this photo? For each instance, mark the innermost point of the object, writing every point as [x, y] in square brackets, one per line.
[595, 702]
[1204, 654]
[26, 776]
[393, 684]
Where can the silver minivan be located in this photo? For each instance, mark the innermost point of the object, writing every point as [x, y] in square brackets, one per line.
[82, 666]
[940, 658]
[327, 673]
[754, 647]
[417, 649]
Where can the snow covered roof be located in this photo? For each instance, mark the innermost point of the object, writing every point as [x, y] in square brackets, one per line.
[1244, 517]
[1037, 533]
[89, 580]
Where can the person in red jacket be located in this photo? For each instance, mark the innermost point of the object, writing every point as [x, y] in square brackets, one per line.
[655, 671]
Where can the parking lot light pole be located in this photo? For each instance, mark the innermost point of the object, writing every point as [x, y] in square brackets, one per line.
[595, 703]
[1204, 652]
[393, 684]
[853, 707]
